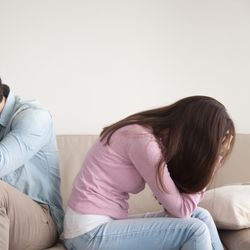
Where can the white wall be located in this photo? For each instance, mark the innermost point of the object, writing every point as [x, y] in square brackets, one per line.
[94, 62]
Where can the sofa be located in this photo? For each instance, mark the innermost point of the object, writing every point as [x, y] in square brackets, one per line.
[73, 148]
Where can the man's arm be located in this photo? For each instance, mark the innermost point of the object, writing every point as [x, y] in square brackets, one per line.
[30, 130]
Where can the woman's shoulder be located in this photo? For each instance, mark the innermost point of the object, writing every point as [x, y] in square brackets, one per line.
[135, 129]
[132, 133]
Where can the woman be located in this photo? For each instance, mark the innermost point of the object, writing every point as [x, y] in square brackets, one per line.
[176, 150]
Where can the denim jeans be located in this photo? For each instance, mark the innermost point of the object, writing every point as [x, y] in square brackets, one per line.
[152, 233]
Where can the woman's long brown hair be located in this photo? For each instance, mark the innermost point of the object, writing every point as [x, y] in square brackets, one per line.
[190, 133]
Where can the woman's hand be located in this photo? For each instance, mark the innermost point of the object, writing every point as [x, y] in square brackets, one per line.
[226, 144]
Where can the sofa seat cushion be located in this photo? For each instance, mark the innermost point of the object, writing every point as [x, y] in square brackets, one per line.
[236, 239]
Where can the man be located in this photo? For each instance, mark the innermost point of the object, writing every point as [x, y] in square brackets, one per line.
[31, 211]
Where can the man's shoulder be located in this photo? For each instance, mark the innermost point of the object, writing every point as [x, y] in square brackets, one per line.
[31, 111]
[29, 106]
[21, 104]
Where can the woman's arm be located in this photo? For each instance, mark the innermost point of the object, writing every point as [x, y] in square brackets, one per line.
[144, 153]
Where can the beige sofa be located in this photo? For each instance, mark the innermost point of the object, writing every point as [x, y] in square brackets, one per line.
[72, 150]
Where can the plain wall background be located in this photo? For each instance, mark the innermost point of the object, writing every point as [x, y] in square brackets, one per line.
[93, 62]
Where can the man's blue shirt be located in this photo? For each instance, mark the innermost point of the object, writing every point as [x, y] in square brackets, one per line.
[28, 153]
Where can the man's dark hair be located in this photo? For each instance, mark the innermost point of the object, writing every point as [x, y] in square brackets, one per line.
[4, 90]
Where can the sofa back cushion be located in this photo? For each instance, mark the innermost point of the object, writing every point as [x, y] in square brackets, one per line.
[72, 151]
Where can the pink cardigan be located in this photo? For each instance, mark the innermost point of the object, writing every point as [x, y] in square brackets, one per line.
[110, 172]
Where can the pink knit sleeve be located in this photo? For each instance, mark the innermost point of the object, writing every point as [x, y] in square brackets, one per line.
[144, 153]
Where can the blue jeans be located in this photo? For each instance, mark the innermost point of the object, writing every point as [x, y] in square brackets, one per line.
[157, 232]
